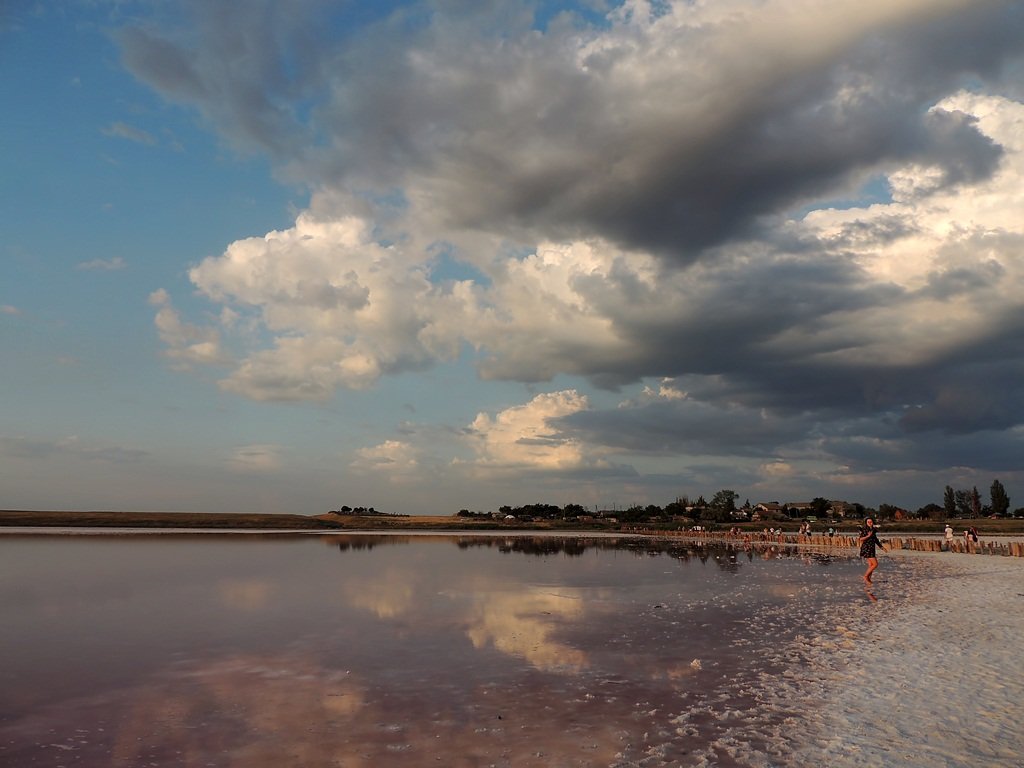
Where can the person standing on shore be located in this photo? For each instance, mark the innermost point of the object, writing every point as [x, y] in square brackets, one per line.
[949, 537]
[868, 540]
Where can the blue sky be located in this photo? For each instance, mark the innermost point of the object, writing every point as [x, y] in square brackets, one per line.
[427, 256]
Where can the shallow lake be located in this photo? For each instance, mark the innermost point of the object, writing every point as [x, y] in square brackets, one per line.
[373, 650]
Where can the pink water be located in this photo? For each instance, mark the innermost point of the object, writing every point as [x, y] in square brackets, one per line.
[368, 650]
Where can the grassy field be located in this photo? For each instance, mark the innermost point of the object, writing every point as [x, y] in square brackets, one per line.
[103, 519]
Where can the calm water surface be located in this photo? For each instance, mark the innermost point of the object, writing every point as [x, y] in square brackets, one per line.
[367, 650]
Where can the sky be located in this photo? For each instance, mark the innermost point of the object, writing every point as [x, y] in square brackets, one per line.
[455, 254]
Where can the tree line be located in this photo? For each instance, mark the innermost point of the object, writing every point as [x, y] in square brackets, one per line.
[962, 502]
[722, 508]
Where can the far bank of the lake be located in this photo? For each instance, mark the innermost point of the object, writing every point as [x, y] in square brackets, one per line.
[389, 522]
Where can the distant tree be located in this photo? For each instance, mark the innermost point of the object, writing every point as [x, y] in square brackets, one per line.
[887, 511]
[949, 501]
[653, 510]
[573, 510]
[724, 501]
[932, 511]
[712, 515]
[635, 514]
[676, 508]
[1000, 501]
[346, 509]
[975, 502]
[963, 502]
[820, 506]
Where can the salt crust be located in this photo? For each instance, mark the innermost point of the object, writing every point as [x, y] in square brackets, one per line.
[927, 675]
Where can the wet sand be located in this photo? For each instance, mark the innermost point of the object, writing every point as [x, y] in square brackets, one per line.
[932, 679]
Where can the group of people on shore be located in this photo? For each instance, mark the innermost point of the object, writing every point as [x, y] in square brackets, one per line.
[868, 541]
[970, 536]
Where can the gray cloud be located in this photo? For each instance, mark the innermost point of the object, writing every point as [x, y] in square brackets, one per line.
[682, 145]
[519, 137]
[28, 448]
[687, 426]
[678, 160]
[247, 72]
[992, 452]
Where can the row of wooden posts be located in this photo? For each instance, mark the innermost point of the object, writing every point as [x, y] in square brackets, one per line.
[839, 541]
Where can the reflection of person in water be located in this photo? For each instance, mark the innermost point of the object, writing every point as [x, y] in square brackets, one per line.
[868, 540]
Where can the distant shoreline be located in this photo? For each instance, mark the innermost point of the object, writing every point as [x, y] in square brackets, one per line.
[247, 521]
[334, 521]
[106, 519]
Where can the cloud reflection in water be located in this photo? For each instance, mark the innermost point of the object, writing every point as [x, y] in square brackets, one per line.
[406, 651]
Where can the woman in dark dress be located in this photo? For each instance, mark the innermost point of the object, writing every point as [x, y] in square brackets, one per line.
[868, 541]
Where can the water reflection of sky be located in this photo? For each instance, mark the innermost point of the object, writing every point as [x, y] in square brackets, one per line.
[389, 650]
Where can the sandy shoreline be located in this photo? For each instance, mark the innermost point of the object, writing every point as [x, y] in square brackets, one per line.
[923, 671]
[930, 677]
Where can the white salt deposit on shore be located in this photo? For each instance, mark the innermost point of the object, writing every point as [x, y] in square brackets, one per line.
[921, 671]
[927, 677]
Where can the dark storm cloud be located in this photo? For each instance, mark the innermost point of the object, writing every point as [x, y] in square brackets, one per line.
[249, 72]
[685, 426]
[986, 451]
[729, 325]
[512, 130]
[962, 415]
[518, 137]
[767, 158]
[980, 389]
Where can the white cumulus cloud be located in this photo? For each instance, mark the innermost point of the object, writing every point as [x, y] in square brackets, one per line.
[523, 437]
[185, 343]
[397, 459]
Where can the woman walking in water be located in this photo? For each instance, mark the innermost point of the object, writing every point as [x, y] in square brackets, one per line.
[868, 540]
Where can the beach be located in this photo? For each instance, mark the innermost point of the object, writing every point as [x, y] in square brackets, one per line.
[929, 678]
